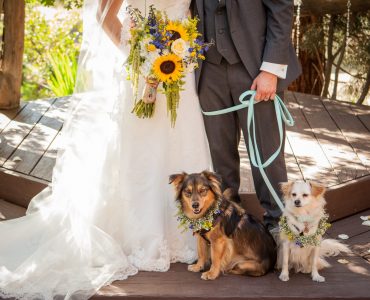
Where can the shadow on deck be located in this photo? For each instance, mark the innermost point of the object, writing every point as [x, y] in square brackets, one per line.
[329, 144]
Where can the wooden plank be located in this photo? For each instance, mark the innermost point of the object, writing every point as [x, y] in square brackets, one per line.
[11, 69]
[19, 189]
[32, 148]
[349, 281]
[348, 198]
[20, 127]
[6, 116]
[360, 244]
[294, 171]
[44, 168]
[346, 164]
[354, 131]
[10, 211]
[308, 152]
[363, 113]
[365, 119]
[350, 226]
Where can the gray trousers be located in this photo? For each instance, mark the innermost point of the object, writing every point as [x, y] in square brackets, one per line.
[220, 87]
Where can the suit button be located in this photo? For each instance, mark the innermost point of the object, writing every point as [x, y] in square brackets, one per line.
[221, 31]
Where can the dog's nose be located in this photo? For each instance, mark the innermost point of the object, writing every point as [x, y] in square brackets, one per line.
[297, 202]
[195, 205]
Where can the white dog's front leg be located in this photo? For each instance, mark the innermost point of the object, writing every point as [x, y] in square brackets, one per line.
[284, 275]
[315, 273]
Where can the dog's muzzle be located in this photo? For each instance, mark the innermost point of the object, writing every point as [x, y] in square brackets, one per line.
[195, 206]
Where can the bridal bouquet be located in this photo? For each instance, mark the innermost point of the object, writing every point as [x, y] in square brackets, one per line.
[162, 51]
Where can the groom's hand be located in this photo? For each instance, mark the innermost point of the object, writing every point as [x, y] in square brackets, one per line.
[265, 86]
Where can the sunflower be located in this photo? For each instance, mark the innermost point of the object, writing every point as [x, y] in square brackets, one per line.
[178, 31]
[168, 68]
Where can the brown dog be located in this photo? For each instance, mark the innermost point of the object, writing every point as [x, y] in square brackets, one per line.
[238, 242]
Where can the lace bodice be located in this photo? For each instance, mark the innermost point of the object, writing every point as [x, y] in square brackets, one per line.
[174, 8]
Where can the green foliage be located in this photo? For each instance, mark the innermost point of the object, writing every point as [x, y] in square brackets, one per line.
[356, 62]
[68, 4]
[63, 73]
[44, 39]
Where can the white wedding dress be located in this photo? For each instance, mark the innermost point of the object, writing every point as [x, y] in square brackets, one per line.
[110, 211]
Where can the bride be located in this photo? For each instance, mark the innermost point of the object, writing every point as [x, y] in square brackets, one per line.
[109, 211]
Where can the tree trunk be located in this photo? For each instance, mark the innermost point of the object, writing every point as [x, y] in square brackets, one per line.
[365, 89]
[310, 81]
[330, 57]
[337, 69]
[11, 69]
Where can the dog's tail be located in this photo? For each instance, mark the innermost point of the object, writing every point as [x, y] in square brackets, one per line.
[331, 247]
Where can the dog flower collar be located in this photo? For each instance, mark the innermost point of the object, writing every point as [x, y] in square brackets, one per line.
[300, 239]
[207, 222]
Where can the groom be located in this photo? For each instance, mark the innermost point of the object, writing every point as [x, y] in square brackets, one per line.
[252, 50]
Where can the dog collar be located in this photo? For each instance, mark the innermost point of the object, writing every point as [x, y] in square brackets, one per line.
[300, 239]
[202, 232]
[207, 222]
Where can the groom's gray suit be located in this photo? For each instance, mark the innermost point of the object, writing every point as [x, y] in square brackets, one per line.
[247, 35]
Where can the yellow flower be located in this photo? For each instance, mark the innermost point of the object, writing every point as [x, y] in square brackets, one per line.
[151, 47]
[168, 68]
[178, 31]
[192, 54]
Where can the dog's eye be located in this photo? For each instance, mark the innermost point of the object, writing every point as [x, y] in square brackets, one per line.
[187, 193]
[203, 191]
[294, 194]
[305, 195]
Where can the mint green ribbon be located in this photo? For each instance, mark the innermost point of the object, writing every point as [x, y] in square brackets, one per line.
[282, 115]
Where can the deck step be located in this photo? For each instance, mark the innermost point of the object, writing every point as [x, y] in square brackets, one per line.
[10, 211]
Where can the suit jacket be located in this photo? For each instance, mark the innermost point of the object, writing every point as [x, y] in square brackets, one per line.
[261, 31]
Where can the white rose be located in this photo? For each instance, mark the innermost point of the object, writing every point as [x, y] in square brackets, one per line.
[179, 47]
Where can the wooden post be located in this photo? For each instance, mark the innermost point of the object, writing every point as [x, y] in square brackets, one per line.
[11, 68]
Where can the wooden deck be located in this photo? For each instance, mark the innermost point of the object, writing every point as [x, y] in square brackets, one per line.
[343, 281]
[330, 143]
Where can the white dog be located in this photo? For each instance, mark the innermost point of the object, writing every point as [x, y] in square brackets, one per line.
[302, 225]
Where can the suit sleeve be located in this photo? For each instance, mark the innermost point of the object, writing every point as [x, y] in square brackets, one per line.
[278, 32]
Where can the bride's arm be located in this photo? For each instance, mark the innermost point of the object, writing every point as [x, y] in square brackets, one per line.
[108, 19]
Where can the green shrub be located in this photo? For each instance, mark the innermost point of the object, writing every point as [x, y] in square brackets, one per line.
[63, 73]
[45, 39]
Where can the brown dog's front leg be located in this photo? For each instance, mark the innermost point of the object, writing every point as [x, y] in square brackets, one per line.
[202, 255]
[218, 247]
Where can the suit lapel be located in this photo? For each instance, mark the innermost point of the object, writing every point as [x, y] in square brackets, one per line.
[229, 9]
[200, 10]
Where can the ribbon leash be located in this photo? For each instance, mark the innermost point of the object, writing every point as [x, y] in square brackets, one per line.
[282, 115]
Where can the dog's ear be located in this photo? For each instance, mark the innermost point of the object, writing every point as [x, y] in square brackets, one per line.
[286, 188]
[317, 190]
[177, 179]
[214, 182]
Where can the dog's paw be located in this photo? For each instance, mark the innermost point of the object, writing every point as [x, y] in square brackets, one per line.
[284, 277]
[195, 268]
[209, 275]
[318, 278]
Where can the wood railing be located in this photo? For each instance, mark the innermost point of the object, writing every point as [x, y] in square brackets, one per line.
[12, 45]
